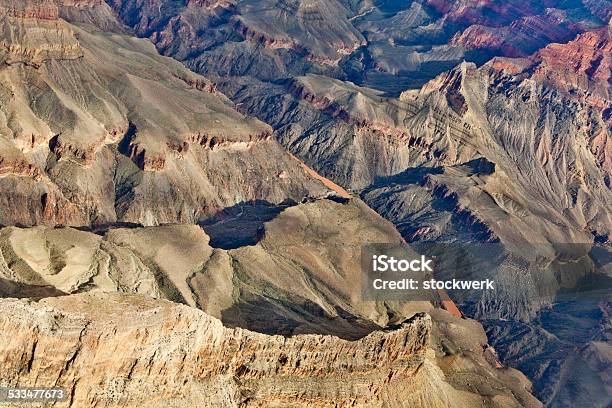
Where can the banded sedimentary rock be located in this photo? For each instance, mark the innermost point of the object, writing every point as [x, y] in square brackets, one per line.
[127, 350]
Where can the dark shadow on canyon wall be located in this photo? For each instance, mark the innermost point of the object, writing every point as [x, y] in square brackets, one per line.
[241, 224]
[9, 289]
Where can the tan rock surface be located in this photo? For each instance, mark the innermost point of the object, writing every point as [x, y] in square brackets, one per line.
[303, 275]
[116, 350]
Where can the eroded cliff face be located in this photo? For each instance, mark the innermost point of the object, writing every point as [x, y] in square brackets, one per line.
[127, 350]
[130, 318]
[357, 135]
[546, 141]
[32, 33]
[476, 144]
[363, 138]
[388, 46]
[140, 140]
[316, 31]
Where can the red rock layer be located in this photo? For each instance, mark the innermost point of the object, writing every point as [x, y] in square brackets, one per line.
[41, 9]
[267, 41]
[19, 167]
[582, 69]
[487, 12]
[520, 38]
[584, 64]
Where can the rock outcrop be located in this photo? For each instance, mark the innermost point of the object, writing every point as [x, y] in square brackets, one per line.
[142, 140]
[121, 344]
[299, 272]
[32, 33]
[581, 69]
[128, 350]
[582, 64]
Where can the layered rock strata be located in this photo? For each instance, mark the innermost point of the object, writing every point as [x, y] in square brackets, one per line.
[128, 350]
[141, 140]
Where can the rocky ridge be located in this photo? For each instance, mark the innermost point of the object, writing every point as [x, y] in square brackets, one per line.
[299, 272]
[298, 280]
[127, 350]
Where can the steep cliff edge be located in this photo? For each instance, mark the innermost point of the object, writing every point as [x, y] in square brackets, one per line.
[121, 342]
[128, 350]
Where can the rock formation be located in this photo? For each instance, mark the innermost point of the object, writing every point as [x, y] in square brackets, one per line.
[297, 273]
[301, 277]
[512, 150]
[128, 350]
[168, 250]
[143, 141]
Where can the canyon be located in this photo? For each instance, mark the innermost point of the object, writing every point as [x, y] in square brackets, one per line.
[186, 188]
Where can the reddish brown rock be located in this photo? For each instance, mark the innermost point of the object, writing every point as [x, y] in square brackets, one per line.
[583, 64]
[582, 70]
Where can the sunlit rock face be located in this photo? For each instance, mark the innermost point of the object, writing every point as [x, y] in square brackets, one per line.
[125, 350]
[140, 140]
[154, 294]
